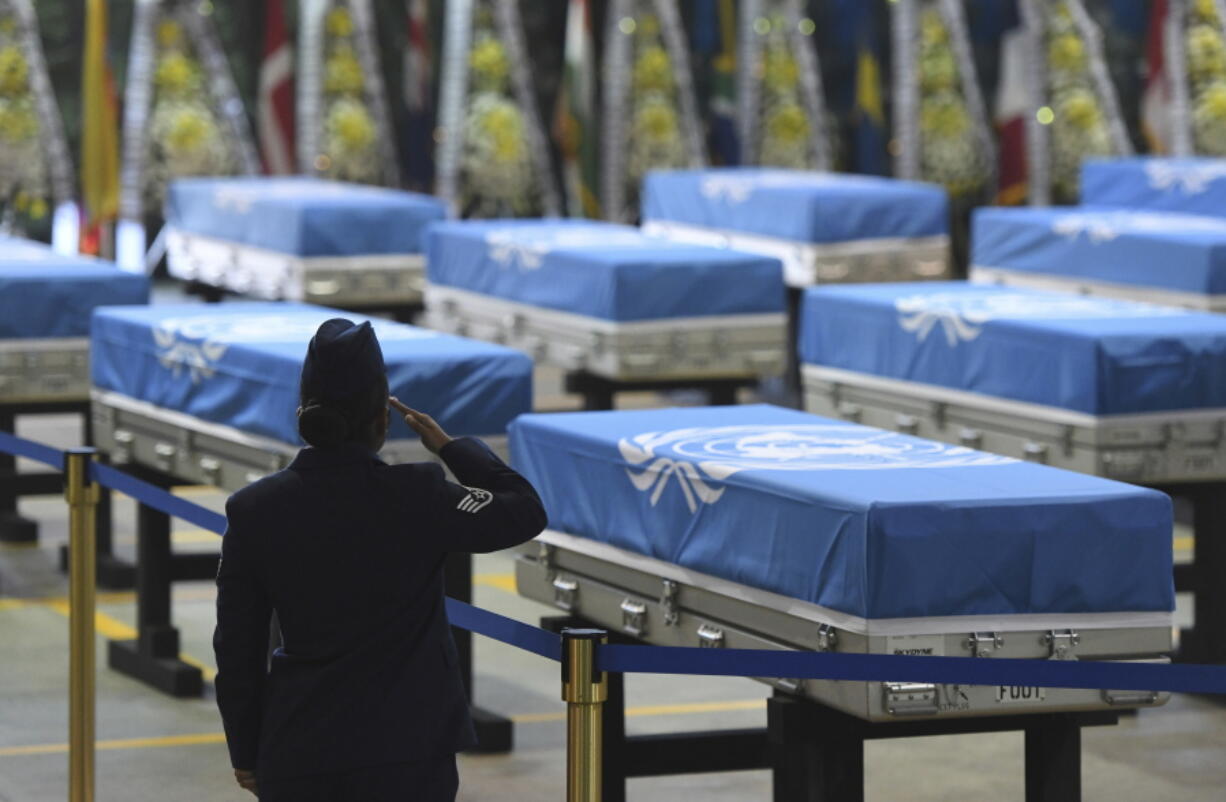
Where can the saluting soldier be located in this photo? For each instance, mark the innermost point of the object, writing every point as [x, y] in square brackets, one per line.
[364, 699]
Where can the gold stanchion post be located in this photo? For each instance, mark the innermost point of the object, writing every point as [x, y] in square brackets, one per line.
[584, 689]
[82, 496]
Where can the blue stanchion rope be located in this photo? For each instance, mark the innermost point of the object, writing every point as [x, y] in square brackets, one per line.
[1180, 678]
[157, 498]
[19, 447]
[1183, 678]
[508, 630]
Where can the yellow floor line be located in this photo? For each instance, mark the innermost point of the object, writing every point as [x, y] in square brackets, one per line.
[120, 743]
[501, 581]
[1184, 543]
[179, 538]
[197, 490]
[219, 738]
[207, 671]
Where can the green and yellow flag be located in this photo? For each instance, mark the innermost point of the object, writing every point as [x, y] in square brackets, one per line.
[99, 131]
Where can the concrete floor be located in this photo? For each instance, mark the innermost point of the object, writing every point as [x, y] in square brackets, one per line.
[159, 749]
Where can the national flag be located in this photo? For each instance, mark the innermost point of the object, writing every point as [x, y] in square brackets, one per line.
[419, 98]
[99, 132]
[868, 114]
[1157, 119]
[1012, 106]
[275, 104]
[574, 122]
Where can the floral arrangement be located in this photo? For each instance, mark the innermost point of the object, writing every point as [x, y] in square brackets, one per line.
[654, 134]
[1206, 69]
[349, 146]
[24, 180]
[785, 126]
[1079, 127]
[499, 179]
[950, 152]
[186, 135]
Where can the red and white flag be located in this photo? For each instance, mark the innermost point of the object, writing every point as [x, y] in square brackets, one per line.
[1157, 114]
[1012, 106]
[275, 104]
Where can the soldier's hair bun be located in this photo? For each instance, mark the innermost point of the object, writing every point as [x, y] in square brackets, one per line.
[322, 426]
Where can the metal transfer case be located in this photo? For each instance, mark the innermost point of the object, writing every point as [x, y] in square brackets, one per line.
[300, 239]
[40, 370]
[347, 281]
[826, 228]
[132, 432]
[1154, 448]
[684, 348]
[608, 300]
[664, 605]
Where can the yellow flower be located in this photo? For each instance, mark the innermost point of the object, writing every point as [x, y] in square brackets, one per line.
[648, 26]
[175, 73]
[1079, 109]
[938, 70]
[343, 73]
[503, 127]
[1205, 11]
[17, 122]
[489, 64]
[653, 70]
[656, 121]
[14, 71]
[943, 116]
[1211, 105]
[787, 124]
[1206, 53]
[932, 28]
[189, 129]
[339, 23]
[1067, 52]
[38, 208]
[169, 34]
[781, 71]
[349, 121]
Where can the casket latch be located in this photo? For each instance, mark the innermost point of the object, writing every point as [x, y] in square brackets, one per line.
[565, 592]
[827, 638]
[984, 644]
[1062, 643]
[634, 617]
[710, 637]
[668, 600]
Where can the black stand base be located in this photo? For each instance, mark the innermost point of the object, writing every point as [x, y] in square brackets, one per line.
[16, 529]
[495, 733]
[168, 674]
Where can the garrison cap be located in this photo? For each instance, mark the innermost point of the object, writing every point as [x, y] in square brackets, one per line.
[343, 359]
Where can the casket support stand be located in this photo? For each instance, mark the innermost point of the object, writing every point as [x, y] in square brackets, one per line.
[816, 753]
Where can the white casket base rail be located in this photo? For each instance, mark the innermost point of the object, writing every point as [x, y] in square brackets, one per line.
[668, 605]
[375, 280]
[731, 346]
[1151, 448]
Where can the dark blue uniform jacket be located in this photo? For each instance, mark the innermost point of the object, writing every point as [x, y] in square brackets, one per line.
[349, 552]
